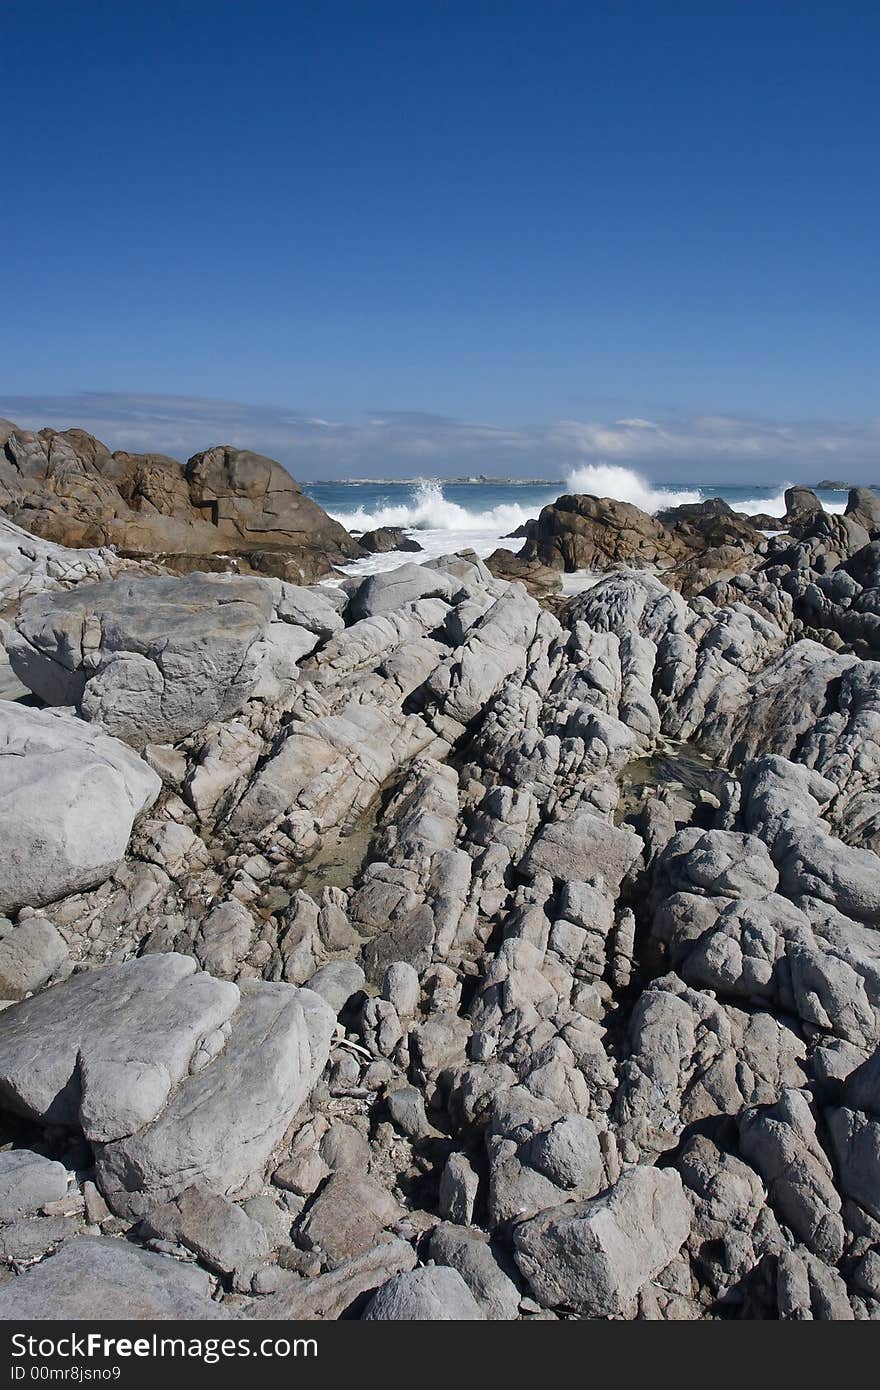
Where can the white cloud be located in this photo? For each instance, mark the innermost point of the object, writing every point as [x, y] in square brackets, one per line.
[698, 447]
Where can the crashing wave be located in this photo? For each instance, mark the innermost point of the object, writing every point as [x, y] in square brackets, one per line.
[625, 485]
[429, 510]
[775, 506]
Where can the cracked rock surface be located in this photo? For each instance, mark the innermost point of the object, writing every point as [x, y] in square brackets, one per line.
[410, 949]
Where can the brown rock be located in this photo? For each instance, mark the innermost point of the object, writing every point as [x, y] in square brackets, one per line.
[580, 532]
[67, 486]
[540, 580]
[386, 538]
[346, 1217]
[694, 545]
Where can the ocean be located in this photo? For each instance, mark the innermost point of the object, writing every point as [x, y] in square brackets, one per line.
[446, 515]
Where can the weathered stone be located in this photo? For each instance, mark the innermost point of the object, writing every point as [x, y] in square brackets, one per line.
[68, 798]
[98, 1279]
[151, 658]
[30, 954]
[346, 1217]
[341, 1291]
[582, 847]
[459, 1185]
[488, 1273]
[220, 1234]
[174, 1077]
[67, 486]
[435, 1294]
[594, 1257]
[780, 1142]
[27, 1182]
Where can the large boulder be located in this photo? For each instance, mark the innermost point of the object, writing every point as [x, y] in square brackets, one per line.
[225, 502]
[863, 506]
[100, 1279]
[27, 1182]
[68, 798]
[437, 1293]
[30, 954]
[802, 510]
[580, 848]
[696, 544]
[781, 1143]
[174, 1077]
[592, 533]
[391, 589]
[153, 658]
[387, 538]
[594, 1257]
[29, 565]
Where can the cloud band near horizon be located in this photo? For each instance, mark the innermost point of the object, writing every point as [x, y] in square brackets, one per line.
[685, 448]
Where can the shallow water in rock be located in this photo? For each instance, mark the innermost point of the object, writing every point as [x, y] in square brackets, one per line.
[681, 768]
[342, 855]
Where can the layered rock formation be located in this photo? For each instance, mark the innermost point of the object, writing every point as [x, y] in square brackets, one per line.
[694, 546]
[421, 953]
[225, 503]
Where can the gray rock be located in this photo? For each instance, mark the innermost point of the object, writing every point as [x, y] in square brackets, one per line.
[780, 1142]
[718, 862]
[458, 1190]
[96, 1208]
[30, 1238]
[99, 1279]
[152, 658]
[273, 1217]
[317, 608]
[386, 538]
[813, 861]
[495, 646]
[866, 1275]
[400, 986]
[219, 1233]
[344, 1147]
[855, 1145]
[863, 1086]
[31, 565]
[568, 1153]
[516, 1190]
[223, 1121]
[68, 798]
[407, 1110]
[347, 1216]
[382, 593]
[488, 1273]
[434, 1294]
[594, 1257]
[303, 1172]
[105, 1049]
[27, 1182]
[339, 1291]
[30, 954]
[336, 982]
[174, 1077]
[691, 1057]
[731, 1220]
[224, 939]
[582, 847]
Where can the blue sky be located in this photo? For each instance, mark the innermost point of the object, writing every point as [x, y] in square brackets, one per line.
[447, 237]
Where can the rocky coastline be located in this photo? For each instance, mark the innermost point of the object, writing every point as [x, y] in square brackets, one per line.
[420, 946]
